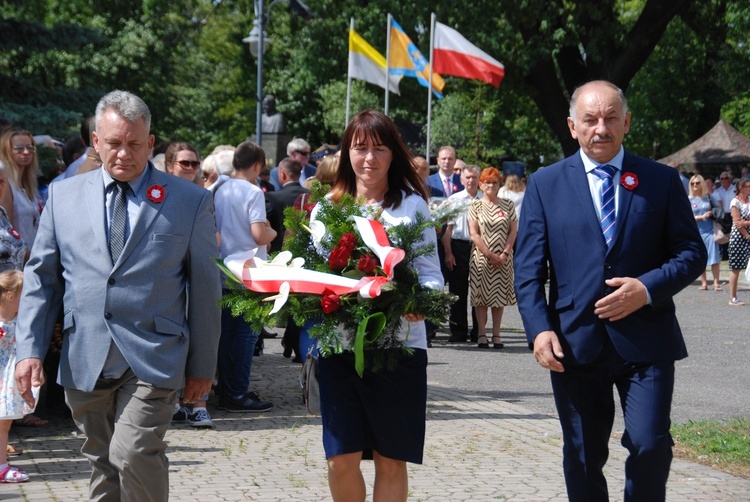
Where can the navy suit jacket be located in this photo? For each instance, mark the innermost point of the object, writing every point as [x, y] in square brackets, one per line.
[276, 202]
[308, 171]
[434, 181]
[656, 241]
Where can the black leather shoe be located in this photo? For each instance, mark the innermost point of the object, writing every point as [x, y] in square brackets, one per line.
[267, 334]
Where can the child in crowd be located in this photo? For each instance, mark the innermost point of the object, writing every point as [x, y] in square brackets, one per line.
[12, 406]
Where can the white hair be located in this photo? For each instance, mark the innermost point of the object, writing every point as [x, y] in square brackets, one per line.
[223, 162]
[126, 105]
[297, 144]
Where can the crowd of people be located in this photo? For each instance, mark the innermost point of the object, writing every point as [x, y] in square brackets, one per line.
[145, 344]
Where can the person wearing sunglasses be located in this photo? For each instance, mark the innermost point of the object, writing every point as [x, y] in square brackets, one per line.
[22, 201]
[182, 160]
[299, 150]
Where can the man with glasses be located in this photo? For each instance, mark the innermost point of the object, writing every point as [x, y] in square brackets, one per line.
[724, 195]
[299, 150]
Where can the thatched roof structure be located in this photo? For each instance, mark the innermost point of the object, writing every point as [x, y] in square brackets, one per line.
[721, 148]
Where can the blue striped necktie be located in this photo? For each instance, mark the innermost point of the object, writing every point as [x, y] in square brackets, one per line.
[607, 218]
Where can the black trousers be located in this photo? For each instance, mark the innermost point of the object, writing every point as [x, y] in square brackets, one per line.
[458, 285]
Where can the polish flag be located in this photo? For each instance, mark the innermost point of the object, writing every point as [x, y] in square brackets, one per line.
[454, 55]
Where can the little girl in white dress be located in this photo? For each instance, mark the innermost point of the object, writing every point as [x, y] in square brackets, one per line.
[12, 406]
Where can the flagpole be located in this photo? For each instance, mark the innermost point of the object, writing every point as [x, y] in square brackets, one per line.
[349, 79]
[429, 89]
[388, 63]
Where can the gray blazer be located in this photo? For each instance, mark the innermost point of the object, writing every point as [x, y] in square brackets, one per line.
[158, 302]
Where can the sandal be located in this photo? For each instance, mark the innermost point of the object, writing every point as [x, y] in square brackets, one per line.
[13, 475]
[30, 420]
[717, 287]
[483, 344]
[14, 450]
[703, 287]
[498, 344]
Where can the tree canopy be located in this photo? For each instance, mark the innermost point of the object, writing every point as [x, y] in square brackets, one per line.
[682, 63]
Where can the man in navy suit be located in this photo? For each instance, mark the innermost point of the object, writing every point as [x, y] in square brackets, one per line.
[609, 319]
[278, 200]
[445, 180]
[299, 150]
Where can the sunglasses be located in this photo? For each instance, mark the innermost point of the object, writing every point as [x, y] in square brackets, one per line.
[189, 164]
[302, 152]
[21, 148]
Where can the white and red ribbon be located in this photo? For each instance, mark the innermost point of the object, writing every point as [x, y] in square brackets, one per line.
[264, 277]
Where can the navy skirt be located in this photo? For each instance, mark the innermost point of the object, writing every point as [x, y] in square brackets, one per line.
[383, 411]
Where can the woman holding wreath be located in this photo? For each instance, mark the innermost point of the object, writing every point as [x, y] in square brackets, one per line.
[381, 415]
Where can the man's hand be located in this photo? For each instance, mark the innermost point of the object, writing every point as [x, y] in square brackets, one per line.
[629, 296]
[548, 351]
[195, 389]
[413, 317]
[29, 374]
[450, 261]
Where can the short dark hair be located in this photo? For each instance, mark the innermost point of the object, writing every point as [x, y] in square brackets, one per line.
[292, 167]
[247, 155]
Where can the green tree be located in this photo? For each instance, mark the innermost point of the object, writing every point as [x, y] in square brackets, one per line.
[682, 63]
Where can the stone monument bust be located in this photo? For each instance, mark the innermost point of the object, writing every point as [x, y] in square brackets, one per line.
[272, 121]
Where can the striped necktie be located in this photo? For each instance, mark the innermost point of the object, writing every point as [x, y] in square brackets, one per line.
[447, 187]
[118, 225]
[607, 218]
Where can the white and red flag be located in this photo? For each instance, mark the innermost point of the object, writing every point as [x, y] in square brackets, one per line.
[454, 55]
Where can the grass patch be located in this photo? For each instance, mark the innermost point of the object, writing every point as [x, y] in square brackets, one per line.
[724, 445]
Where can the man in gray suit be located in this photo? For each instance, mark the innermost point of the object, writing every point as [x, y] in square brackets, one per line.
[126, 252]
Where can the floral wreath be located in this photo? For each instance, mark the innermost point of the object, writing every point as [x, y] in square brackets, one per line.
[345, 275]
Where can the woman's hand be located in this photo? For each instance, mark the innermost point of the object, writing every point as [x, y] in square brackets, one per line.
[497, 260]
[414, 317]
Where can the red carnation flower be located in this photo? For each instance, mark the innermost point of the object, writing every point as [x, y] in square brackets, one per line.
[156, 193]
[367, 263]
[339, 258]
[348, 242]
[330, 301]
[2, 332]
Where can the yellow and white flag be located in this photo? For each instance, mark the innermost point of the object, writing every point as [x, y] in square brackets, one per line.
[366, 63]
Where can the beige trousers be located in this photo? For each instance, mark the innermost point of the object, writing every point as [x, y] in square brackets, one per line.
[125, 420]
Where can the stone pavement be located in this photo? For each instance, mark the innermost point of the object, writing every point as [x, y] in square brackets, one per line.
[478, 448]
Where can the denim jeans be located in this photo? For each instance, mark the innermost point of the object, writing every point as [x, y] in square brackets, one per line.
[236, 347]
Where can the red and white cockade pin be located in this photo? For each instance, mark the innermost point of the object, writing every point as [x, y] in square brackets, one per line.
[501, 213]
[14, 233]
[156, 193]
[2, 332]
[629, 180]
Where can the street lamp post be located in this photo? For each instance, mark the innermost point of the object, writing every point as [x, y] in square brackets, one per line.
[257, 40]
